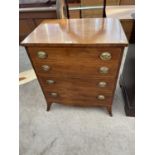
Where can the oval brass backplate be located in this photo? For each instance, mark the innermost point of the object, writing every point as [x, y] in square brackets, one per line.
[104, 70]
[102, 84]
[42, 54]
[101, 97]
[45, 67]
[50, 81]
[54, 94]
[105, 56]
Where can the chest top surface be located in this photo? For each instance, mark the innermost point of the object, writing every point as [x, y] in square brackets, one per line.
[77, 32]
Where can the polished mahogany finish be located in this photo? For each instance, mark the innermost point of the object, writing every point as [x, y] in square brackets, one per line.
[78, 32]
[77, 60]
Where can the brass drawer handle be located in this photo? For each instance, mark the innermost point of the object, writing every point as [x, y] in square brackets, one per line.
[45, 67]
[102, 84]
[104, 70]
[101, 97]
[54, 94]
[50, 81]
[42, 54]
[105, 56]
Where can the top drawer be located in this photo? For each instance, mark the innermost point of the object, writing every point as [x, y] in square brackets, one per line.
[75, 55]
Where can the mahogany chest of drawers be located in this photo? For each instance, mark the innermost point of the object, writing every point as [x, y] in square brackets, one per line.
[77, 60]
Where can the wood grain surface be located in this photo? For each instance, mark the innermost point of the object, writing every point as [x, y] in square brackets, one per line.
[88, 31]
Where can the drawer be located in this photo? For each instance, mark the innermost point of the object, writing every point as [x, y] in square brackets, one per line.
[74, 55]
[75, 70]
[78, 98]
[103, 84]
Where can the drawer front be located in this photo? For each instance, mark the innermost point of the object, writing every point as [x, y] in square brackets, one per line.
[73, 55]
[70, 97]
[106, 84]
[77, 70]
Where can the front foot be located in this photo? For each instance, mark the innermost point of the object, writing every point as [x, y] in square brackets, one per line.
[48, 106]
[109, 110]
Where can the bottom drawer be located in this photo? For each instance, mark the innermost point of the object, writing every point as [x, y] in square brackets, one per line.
[79, 98]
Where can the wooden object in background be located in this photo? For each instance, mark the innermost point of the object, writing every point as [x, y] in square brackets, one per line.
[74, 62]
[128, 26]
[75, 14]
[127, 2]
[31, 15]
[25, 27]
[84, 3]
[96, 12]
